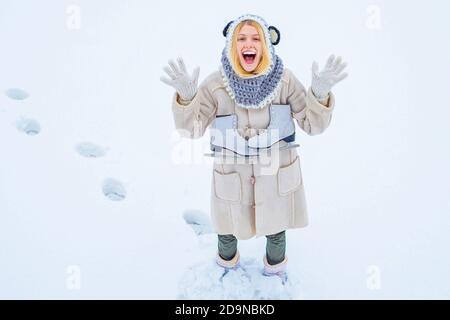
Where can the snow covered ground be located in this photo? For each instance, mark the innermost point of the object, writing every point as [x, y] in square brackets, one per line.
[206, 280]
[94, 200]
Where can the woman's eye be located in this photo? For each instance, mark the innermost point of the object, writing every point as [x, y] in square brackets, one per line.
[243, 39]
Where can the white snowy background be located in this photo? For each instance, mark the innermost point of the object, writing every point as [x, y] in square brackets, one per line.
[83, 114]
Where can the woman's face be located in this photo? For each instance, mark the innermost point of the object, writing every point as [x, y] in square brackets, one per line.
[249, 48]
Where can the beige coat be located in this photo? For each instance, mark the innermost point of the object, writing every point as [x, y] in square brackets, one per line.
[260, 196]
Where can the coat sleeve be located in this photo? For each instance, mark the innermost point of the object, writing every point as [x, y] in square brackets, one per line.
[312, 116]
[193, 117]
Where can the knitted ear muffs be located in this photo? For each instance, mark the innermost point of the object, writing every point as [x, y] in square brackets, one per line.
[275, 35]
[225, 30]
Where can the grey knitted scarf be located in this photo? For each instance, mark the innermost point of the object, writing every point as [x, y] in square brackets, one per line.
[255, 92]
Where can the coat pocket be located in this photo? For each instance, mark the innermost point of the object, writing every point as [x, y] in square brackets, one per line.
[227, 186]
[289, 177]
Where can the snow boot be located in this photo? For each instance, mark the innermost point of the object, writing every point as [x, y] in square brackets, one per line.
[228, 264]
[279, 269]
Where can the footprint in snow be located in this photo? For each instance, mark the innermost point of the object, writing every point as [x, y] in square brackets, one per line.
[90, 150]
[17, 94]
[114, 190]
[28, 126]
[198, 221]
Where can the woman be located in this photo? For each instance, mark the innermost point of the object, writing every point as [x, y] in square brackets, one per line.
[250, 104]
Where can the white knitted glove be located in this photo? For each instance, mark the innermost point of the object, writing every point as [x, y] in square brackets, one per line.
[184, 84]
[323, 81]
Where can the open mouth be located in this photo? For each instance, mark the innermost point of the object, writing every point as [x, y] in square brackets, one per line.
[249, 56]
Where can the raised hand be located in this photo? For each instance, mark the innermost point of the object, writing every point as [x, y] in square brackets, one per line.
[323, 81]
[184, 84]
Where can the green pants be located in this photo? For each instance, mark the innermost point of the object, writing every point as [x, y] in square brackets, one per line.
[275, 247]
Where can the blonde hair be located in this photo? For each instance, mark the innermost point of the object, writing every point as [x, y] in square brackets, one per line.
[263, 65]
